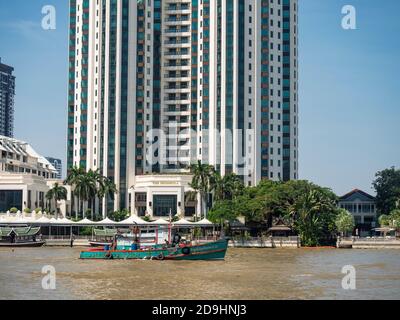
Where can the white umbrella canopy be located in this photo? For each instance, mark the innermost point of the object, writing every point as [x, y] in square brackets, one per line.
[160, 222]
[183, 223]
[134, 220]
[43, 220]
[15, 220]
[62, 222]
[204, 223]
[106, 222]
[25, 220]
[85, 222]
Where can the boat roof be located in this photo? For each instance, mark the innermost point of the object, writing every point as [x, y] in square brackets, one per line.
[20, 232]
[105, 232]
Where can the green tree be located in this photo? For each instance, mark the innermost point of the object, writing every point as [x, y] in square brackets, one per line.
[107, 189]
[344, 222]
[387, 187]
[96, 178]
[314, 214]
[222, 211]
[119, 215]
[89, 186]
[57, 193]
[86, 188]
[384, 220]
[227, 187]
[395, 218]
[201, 182]
[49, 198]
[74, 176]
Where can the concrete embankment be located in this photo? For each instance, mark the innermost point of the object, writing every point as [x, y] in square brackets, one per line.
[368, 243]
[284, 242]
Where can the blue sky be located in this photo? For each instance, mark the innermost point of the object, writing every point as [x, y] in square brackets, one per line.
[349, 86]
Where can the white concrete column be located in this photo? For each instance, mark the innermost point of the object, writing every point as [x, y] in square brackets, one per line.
[133, 208]
[148, 200]
[181, 199]
[25, 198]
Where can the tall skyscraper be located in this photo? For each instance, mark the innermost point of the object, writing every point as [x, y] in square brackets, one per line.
[7, 92]
[155, 85]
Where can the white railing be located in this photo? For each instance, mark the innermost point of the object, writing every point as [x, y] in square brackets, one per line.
[368, 239]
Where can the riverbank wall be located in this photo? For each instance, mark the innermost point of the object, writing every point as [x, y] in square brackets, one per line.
[368, 243]
[270, 242]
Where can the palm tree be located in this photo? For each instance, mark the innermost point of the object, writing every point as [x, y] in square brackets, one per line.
[86, 189]
[226, 188]
[57, 193]
[88, 186]
[49, 197]
[217, 185]
[74, 175]
[95, 177]
[306, 213]
[202, 174]
[107, 189]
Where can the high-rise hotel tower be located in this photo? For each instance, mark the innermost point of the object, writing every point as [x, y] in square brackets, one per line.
[157, 84]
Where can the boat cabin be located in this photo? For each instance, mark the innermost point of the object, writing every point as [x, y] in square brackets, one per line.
[18, 235]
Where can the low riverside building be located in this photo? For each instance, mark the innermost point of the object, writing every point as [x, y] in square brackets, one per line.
[158, 196]
[363, 207]
[25, 177]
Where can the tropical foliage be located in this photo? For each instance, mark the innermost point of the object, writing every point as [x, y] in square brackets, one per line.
[119, 216]
[56, 193]
[387, 187]
[201, 183]
[344, 222]
[309, 209]
[395, 217]
[89, 187]
[392, 220]
[384, 220]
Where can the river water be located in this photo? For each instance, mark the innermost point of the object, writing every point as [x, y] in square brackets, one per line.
[245, 274]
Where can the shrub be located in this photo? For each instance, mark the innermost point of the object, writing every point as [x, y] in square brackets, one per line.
[14, 210]
[119, 215]
[147, 218]
[86, 231]
[27, 210]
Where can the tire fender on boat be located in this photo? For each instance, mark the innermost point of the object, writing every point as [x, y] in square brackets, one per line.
[186, 251]
[160, 256]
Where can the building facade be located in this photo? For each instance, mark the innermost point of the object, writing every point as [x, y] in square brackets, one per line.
[57, 163]
[7, 92]
[155, 85]
[363, 208]
[25, 177]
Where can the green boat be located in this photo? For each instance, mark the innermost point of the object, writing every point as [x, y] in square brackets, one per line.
[207, 251]
[20, 237]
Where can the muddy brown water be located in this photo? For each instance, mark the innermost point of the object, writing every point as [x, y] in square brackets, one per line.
[245, 274]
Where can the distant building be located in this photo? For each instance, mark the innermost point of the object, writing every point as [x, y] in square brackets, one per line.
[363, 207]
[25, 177]
[7, 92]
[57, 163]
